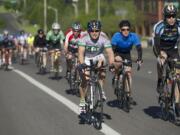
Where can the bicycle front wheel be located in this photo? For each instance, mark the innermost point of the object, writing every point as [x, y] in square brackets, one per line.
[165, 101]
[98, 106]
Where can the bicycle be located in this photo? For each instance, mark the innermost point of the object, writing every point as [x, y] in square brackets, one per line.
[94, 101]
[165, 89]
[175, 75]
[56, 62]
[7, 55]
[23, 55]
[73, 77]
[41, 60]
[122, 86]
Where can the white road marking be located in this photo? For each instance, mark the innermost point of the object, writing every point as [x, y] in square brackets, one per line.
[73, 107]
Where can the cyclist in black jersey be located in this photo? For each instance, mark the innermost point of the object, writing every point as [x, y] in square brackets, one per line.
[166, 34]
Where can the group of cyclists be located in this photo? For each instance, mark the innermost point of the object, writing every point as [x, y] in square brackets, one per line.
[92, 44]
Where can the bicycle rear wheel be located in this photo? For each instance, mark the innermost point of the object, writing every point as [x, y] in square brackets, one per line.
[174, 119]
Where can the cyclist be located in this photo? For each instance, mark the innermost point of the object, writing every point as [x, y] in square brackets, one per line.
[55, 38]
[40, 43]
[1, 49]
[166, 33]
[71, 44]
[91, 47]
[8, 45]
[122, 43]
[22, 44]
[30, 41]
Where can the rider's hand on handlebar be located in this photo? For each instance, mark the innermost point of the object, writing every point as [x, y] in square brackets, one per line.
[111, 68]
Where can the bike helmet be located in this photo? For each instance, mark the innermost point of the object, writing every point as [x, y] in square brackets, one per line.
[124, 23]
[55, 26]
[5, 32]
[40, 31]
[22, 32]
[169, 9]
[94, 25]
[76, 26]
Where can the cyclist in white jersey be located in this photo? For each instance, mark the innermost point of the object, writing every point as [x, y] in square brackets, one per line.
[91, 47]
[22, 44]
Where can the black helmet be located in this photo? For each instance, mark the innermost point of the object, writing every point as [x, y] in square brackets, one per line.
[94, 25]
[76, 26]
[124, 23]
[22, 32]
[170, 9]
[40, 31]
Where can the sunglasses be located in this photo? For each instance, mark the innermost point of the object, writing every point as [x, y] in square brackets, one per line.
[169, 16]
[125, 29]
[76, 31]
[95, 31]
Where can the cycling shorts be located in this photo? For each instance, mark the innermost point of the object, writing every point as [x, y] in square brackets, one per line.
[125, 56]
[95, 59]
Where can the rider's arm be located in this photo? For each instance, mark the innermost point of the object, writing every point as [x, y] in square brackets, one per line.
[62, 39]
[35, 41]
[139, 52]
[157, 31]
[81, 51]
[114, 43]
[110, 54]
[156, 46]
[137, 43]
[66, 42]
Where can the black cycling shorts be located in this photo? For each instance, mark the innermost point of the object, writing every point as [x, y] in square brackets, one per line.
[125, 56]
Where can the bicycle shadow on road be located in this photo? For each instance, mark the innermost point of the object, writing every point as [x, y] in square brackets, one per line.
[72, 92]
[153, 111]
[113, 103]
[55, 78]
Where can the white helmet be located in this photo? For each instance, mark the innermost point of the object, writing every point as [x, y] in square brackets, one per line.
[55, 26]
[5, 32]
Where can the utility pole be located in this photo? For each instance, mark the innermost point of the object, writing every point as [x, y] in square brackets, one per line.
[99, 11]
[86, 7]
[25, 5]
[45, 16]
[74, 4]
[55, 12]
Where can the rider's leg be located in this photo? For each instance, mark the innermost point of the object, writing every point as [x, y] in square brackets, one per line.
[3, 56]
[52, 59]
[10, 57]
[160, 62]
[68, 63]
[44, 59]
[128, 69]
[82, 91]
[0, 57]
[25, 52]
[117, 64]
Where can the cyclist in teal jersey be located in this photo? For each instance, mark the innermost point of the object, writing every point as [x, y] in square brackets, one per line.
[55, 38]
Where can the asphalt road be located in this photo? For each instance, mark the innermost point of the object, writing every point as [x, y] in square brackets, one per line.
[25, 109]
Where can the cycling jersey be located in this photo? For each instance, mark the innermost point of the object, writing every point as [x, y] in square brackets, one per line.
[40, 41]
[124, 44]
[168, 35]
[93, 49]
[22, 39]
[30, 40]
[1, 40]
[72, 42]
[7, 41]
[55, 40]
